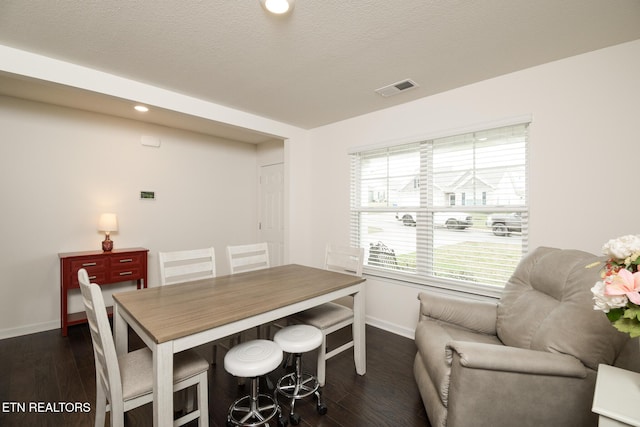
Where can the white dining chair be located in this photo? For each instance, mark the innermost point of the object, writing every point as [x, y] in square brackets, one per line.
[187, 266]
[250, 257]
[333, 316]
[125, 382]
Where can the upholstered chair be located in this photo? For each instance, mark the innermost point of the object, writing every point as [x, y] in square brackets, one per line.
[528, 359]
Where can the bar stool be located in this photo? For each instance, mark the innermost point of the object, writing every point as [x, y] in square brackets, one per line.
[298, 339]
[253, 359]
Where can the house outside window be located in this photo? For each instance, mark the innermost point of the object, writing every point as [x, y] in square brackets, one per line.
[418, 232]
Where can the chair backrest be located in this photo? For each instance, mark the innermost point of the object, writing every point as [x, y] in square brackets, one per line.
[106, 360]
[185, 266]
[547, 305]
[344, 259]
[248, 257]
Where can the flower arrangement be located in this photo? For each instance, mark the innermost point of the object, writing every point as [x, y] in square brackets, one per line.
[618, 293]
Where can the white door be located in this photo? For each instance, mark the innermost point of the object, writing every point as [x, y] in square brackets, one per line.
[272, 210]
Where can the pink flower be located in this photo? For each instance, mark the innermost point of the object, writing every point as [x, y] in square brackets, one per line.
[625, 283]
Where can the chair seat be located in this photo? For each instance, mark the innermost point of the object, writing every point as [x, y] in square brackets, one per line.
[324, 316]
[298, 338]
[253, 358]
[137, 370]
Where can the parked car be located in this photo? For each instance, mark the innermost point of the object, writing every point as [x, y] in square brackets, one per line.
[450, 220]
[503, 224]
[408, 220]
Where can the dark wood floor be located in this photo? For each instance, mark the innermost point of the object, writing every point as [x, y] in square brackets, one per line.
[49, 374]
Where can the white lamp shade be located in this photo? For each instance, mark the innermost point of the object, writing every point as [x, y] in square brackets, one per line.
[108, 222]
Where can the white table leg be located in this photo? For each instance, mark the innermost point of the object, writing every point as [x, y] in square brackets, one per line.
[163, 384]
[359, 340]
[120, 332]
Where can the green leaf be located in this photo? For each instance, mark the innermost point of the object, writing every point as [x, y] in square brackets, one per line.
[633, 312]
[628, 326]
[615, 314]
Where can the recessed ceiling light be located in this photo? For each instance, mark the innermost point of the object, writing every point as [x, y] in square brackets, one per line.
[141, 108]
[278, 7]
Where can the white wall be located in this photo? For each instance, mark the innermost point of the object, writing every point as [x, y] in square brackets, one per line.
[33, 306]
[583, 157]
[60, 168]
[299, 201]
[53, 185]
[270, 152]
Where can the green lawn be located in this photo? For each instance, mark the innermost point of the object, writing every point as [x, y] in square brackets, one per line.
[487, 263]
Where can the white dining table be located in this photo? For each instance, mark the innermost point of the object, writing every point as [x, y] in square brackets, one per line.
[170, 319]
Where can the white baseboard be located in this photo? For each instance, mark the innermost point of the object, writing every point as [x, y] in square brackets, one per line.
[29, 329]
[391, 327]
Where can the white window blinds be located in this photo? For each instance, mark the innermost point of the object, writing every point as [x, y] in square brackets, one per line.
[451, 211]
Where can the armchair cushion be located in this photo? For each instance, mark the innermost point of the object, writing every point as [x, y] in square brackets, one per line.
[546, 306]
[479, 316]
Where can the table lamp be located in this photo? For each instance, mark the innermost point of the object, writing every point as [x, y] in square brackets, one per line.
[108, 222]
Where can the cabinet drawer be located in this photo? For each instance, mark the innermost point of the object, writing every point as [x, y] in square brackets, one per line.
[125, 267]
[96, 269]
[90, 264]
[124, 273]
[125, 260]
[99, 277]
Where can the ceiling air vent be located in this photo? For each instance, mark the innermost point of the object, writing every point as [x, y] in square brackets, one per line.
[397, 87]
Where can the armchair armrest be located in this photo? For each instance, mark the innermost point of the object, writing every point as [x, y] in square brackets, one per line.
[512, 359]
[479, 316]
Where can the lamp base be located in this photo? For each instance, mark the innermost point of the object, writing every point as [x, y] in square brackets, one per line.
[107, 244]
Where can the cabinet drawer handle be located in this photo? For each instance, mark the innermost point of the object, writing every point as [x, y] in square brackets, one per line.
[126, 260]
[92, 277]
[126, 273]
[89, 264]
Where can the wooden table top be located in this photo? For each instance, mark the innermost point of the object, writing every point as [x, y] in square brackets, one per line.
[173, 311]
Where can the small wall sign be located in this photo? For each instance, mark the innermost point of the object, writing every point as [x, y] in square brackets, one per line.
[148, 195]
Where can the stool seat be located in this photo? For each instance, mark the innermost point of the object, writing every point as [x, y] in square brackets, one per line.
[253, 358]
[298, 338]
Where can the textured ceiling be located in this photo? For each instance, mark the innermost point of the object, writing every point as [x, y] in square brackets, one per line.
[322, 63]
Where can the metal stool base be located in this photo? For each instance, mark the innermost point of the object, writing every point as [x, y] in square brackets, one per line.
[293, 386]
[298, 385]
[254, 409]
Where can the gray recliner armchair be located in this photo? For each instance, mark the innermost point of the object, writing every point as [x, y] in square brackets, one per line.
[529, 359]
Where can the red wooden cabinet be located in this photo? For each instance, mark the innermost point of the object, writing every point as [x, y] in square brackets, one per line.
[104, 268]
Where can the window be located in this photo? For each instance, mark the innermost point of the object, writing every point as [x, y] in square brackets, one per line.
[450, 211]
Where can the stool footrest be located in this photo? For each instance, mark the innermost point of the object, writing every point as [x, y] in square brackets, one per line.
[247, 412]
[293, 387]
